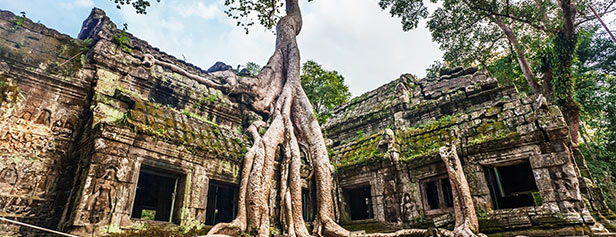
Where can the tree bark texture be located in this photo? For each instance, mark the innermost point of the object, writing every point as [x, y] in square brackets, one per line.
[277, 92]
[464, 209]
[565, 47]
[519, 51]
[291, 124]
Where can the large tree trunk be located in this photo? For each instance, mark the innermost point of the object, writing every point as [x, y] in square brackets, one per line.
[277, 93]
[564, 84]
[464, 209]
[519, 51]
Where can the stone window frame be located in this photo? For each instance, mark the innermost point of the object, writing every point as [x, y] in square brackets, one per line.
[506, 163]
[442, 207]
[221, 183]
[179, 196]
[346, 189]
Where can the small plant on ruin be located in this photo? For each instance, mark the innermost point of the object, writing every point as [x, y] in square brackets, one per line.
[161, 132]
[83, 50]
[122, 39]
[215, 129]
[18, 22]
[252, 69]
[187, 113]
[359, 135]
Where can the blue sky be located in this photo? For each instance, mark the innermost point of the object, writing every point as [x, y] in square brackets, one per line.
[354, 37]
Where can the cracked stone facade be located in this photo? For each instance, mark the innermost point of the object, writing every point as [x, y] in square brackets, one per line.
[388, 139]
[82, 118]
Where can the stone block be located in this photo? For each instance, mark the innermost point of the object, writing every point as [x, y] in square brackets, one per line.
[549, 160]
[523, 109]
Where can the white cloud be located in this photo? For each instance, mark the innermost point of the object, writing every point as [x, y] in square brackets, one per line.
[364, 43]
[172, 25]
[199, 9]
[78, 4]
[356, 38]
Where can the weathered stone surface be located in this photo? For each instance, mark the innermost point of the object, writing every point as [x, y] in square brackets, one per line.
[74, 135]
[42, 97]
[492, 126]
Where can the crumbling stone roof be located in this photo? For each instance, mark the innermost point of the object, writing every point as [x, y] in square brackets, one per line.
[156, 102]
[464, 106]
[366, 110]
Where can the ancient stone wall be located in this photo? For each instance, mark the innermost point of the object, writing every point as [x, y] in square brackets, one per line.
[88, 124]
[149, 115]
[82, 117]
[44, 91]
[396, 154]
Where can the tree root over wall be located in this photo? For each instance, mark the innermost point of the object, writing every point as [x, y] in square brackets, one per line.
[277, 93]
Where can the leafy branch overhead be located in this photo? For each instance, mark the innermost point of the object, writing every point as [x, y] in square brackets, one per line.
[139, 5]
[246, 12]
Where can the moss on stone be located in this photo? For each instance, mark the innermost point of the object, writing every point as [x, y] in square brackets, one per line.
[108, 114]
[491, 126]
[493, 110]
[160, 122]
[425, 139]
[363, 150]
[442, 122]
[491, 131]
[107, 82]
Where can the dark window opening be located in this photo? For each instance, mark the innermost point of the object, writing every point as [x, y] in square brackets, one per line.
[360, 203]
[432, 195]
[163, 94]
[437, 194]
[309, 207]
[447, 193]
[155, 198]
[221, 203]
[512, 186]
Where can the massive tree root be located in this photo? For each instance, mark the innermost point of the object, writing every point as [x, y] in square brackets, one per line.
[277, 94]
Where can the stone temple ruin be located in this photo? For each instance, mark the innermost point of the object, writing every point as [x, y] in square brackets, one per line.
[95, 140]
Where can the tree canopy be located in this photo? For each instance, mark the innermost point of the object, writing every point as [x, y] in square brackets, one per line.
[467, 31]
[325, 89]
[552, 48]
[540, 35]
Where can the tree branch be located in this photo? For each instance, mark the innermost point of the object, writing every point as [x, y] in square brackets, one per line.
[295, 13]
[528, 73]
[494, 14]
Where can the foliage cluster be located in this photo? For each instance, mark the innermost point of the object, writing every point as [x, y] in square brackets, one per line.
[139, 5]
[122, 39]
[325, 89]
[253, 69]
[18, 22]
